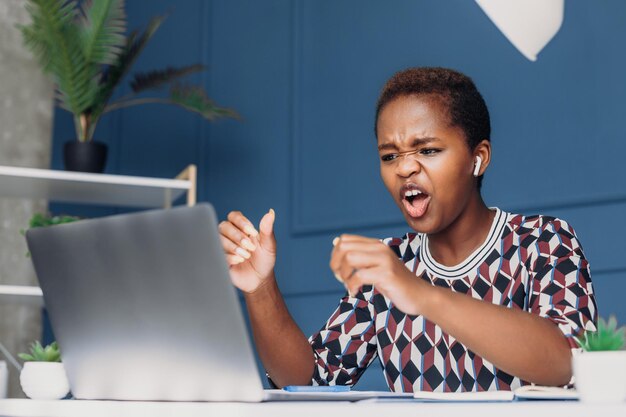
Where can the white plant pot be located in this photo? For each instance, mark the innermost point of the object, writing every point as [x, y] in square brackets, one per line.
[4, 379]
[600, 376]
[44, 380]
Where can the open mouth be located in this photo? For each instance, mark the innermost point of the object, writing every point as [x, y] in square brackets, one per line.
[415, 201]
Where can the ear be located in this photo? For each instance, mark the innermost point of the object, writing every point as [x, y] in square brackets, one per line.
[482, 150]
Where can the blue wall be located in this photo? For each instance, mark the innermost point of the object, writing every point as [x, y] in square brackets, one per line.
[305, 75]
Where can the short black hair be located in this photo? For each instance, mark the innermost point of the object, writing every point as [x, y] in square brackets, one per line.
[456, 92]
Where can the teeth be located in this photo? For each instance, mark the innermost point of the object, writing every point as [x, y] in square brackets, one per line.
[411, 193]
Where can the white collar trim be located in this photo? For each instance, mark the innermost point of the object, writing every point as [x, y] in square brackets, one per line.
[473, 260]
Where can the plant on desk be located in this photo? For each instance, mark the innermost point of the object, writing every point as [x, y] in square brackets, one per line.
[600, 370]
[43, 375]
[39, 353]
[607, 338]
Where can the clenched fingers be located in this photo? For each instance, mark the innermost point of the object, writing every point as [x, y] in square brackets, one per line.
[242, 223]
[233, 249]
[236, 235]
[344, 247]
[232, 260]
[352, 261]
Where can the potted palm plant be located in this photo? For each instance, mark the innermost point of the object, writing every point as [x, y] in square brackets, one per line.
[43, 375]
[600, 370]
[84, 48]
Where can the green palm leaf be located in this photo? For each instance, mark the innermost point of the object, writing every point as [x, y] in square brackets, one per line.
[195, 99]
[54, 37]
[114, 73]
[102, 30]
[49, 17]
[154, 79]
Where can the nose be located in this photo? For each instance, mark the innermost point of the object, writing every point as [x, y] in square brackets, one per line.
[407, 165]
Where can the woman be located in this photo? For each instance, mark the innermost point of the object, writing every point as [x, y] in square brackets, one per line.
[472, 299]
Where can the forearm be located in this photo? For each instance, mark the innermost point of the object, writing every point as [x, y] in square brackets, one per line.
[519, 343]
[283, 348]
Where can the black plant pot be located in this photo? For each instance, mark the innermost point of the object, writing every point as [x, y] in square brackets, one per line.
[85, 156]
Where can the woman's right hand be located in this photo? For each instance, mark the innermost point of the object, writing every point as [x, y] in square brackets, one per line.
[250, 254]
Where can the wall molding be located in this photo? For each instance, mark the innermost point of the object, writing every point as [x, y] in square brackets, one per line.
[300, 226]
[294, 128]
[600, 200]
[204, 131]
[592, 200]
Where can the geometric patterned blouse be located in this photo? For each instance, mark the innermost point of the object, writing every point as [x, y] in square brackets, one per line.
[530, 263]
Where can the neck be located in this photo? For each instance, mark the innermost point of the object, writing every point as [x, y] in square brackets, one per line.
[464, 235]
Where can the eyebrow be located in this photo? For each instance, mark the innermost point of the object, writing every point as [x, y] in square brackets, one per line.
[416, 142]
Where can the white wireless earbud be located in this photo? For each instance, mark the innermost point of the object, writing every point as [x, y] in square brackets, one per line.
[479, 161]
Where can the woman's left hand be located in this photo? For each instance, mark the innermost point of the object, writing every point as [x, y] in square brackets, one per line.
[358, 261]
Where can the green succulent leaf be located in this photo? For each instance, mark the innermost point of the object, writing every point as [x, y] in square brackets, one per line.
[26, 357]
[607, 337]
[39, 353]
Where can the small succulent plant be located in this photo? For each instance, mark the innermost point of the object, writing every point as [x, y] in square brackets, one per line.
[39, 353]
[607, 337]
[43, 220]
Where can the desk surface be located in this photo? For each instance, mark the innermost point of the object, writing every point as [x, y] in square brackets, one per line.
[31, 408]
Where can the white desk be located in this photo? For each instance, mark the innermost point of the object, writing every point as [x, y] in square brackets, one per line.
[69, 408]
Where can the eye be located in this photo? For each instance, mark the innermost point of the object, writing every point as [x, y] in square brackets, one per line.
[429, 151]
[388, 157]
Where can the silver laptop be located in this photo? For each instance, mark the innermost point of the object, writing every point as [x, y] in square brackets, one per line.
[143, 308]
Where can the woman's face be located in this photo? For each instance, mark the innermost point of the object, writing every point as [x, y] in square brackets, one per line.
[433, 185]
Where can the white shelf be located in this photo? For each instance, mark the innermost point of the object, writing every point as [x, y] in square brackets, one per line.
[106, 189]
[80, 187]
[21, 294]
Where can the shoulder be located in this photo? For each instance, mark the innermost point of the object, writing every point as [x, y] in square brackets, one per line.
[546, 234]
